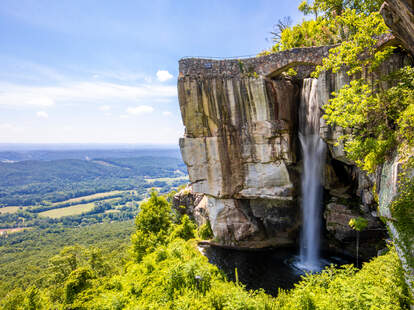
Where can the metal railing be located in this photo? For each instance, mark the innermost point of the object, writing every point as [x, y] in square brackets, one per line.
[219, 58]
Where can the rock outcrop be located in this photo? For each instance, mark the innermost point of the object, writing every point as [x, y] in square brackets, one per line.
[389, 189]
[239, 146]
[399, 16]
[242, 151]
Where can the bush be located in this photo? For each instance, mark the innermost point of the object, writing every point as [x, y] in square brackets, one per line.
[186, 230]
[205, 231]
[152, 224]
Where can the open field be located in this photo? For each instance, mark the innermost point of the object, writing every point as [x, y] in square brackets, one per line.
[72, 210]
[168, 180]
[13, 230]
[11, 209]
[112, 211]
[84, 199]
[90, 197]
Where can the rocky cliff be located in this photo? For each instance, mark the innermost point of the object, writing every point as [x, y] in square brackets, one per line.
[242, 151]
[399, 16]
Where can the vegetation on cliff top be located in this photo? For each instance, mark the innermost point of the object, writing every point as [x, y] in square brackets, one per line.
[376, 114]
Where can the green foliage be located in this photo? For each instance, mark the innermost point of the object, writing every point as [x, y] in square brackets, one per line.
[186, 230]
[172, 274]
[291, 72]
[31, 182]
[376, 120]
[32, 300]
[76, 282]
[402, 211]
[308, 33]
[333, 8]
[205, 232]
[358, 50]
[12, 300]
[152, 224]
[336, 21]
[358, 223]
[39, 256]
[378, 285]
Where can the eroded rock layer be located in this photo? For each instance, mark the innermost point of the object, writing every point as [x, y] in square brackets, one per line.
[242, 152]
[238, 147]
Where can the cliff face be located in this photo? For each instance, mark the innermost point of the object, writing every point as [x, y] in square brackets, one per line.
[399, 16]
[240, 144]
[238, 147]
[238, 141]
[242, 151]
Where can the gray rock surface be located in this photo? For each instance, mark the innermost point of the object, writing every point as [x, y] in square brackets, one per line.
[399, 16]
[388, 191]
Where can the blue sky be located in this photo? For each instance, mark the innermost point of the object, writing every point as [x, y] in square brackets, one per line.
[100, 71]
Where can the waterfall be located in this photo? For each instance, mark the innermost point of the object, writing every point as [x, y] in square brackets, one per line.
[313, 149]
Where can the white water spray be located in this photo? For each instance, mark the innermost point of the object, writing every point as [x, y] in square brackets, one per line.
[313, 149]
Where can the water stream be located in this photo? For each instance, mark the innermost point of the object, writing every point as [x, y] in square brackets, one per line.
[313, 149]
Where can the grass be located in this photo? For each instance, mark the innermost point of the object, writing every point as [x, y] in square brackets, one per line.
[82, 199]
[10, 209]
[112, 211]
[13, 230]
[90, 197]
[72, 210]
[168, 180]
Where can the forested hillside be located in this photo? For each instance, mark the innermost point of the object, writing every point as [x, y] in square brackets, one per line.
[26, 183]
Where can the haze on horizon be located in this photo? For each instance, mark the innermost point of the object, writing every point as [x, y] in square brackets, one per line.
[100, 72]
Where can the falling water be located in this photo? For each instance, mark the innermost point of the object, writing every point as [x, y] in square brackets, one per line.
[313, 149]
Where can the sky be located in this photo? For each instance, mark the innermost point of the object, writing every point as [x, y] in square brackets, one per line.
[100, 71]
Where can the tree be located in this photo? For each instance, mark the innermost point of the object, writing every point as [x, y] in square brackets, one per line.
[77, 282]
[333, 8]
[186, 230]
[358, 224]
[282, 24]
[152, 223]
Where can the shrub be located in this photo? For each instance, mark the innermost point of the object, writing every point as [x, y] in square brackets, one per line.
[205, 231]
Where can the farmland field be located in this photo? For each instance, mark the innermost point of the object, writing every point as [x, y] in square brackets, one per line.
[13, 230]
[167, 180]
[72, 210]
[11, 209]
[90, 197]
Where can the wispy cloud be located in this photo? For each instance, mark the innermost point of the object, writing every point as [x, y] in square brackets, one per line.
[7, 127]
[42, 114]
[141, 109]
[166, 113]
[44, 96]
[105, 108]
[164, 75]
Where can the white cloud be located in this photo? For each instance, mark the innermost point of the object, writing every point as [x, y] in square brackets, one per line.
[166, 113]
[141, 109]
[45, 96]
[105, 108]
[163, 75]
[7, 127]
[42, 114]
